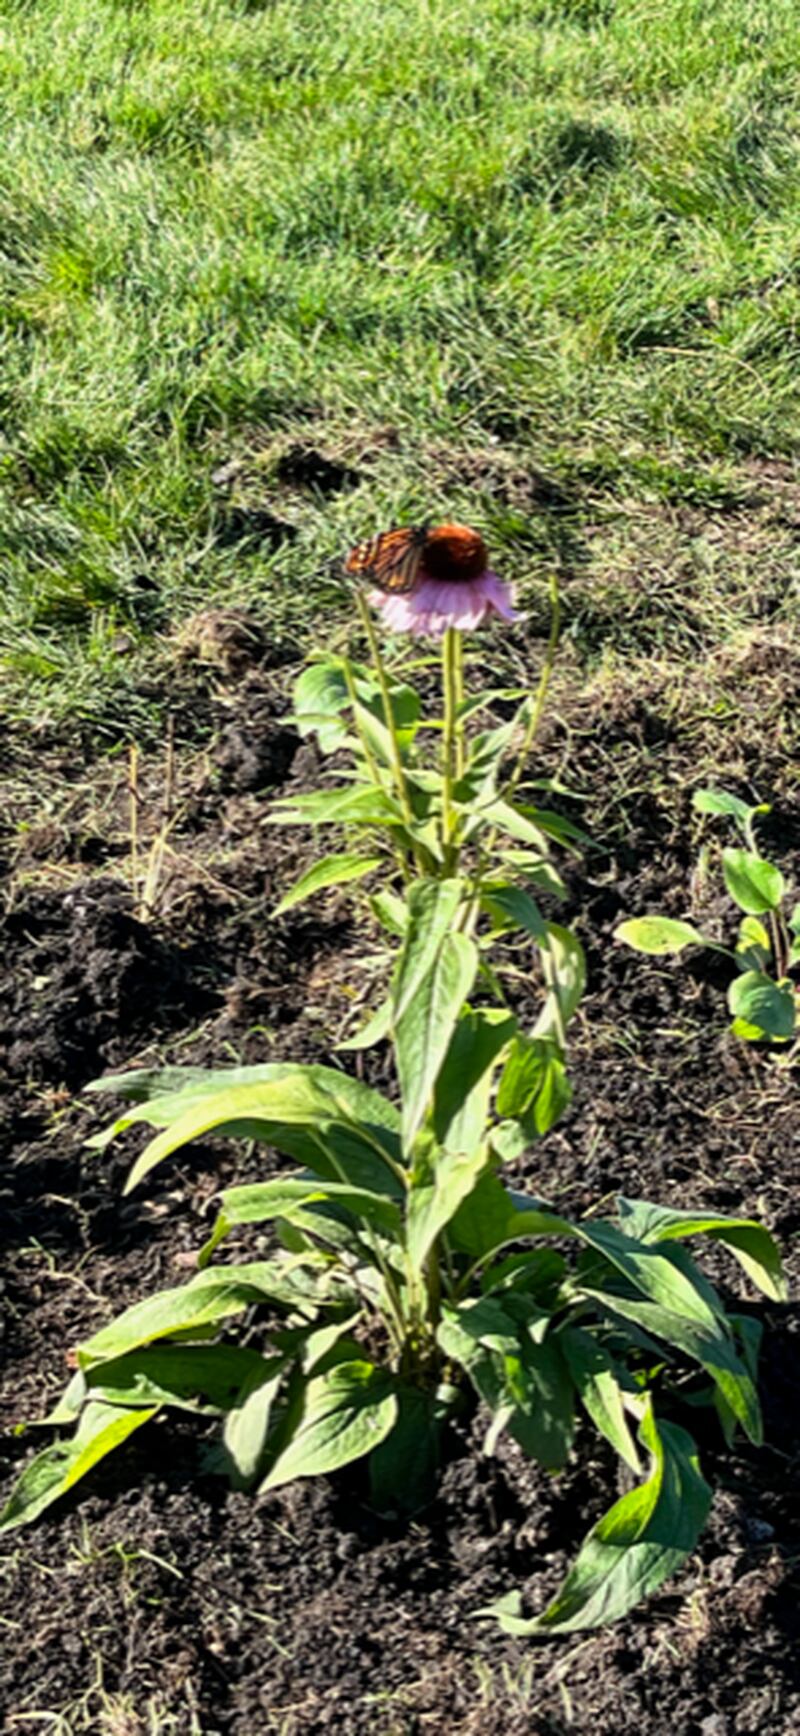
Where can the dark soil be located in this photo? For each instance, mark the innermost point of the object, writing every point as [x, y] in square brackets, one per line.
[158, 1601]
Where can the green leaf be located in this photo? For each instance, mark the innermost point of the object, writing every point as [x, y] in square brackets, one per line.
[765, 1006]
[320, 698]
[305, 1113]
[491, 1216]
[534, 1089]
[755, 885]
[511, 907]
[525, 1383]
[426, 1018]
[720, 802]
[564, 965]
[658, 935]
[677, 1307]
[391, 912]
[638, 1544]
[59, 1467]
[593, 1372]
[258, 1202]
[434, 1198]
[329, 871]
[539, 872]
[432, 905]
[246, 1426]
[360, 804]
[195, 1377]
[509, 820]
[343, 1415]
[210, 1297]
[463, 1088]
[753, 947]
[748, 1241]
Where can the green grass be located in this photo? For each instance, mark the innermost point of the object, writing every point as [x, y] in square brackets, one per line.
[451, 245]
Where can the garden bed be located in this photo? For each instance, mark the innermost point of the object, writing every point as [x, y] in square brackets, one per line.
[159, 1601]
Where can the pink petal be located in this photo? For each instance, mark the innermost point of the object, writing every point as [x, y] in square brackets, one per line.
[436, 605]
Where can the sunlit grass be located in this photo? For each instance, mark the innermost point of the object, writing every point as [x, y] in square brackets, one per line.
[456, 248]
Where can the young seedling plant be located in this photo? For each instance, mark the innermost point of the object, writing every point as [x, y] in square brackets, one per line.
[405, 1280]
[763, 997]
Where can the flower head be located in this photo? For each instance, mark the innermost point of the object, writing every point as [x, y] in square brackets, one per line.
[454, 587]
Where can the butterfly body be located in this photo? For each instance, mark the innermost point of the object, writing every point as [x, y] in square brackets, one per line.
[398, 560]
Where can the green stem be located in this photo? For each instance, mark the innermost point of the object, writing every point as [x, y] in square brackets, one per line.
[450, 687]
[458, 676]
[394, 746]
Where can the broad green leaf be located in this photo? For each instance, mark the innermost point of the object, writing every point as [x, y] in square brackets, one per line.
[320, 697]
[756, 885]
[491, 1217]
[434, 1199]
[59, 1467]
[540, 873]
[391, 912]
[463, 1088]
[658, 935]
[749, 1242]
[210, 1297]
[720, 802]
[424, 1028]
[195, 1377]
[258, 1202]
[556, 826]
[361, 804]
[329, 871]
[432, 905]
[507, 819]
[534, 1091]
[511, 907]
[768, 1007]
[593, 1373]
[305, 1114]
[564, 966]
[676, 1311]
[753, 945]
[345, 1413]
[638, 1544]
[524, 1382]
[246, 1426]
[794, 920]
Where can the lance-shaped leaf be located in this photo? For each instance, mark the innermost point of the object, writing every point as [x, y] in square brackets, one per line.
[247, 1424]
[749, 1242]
[290, 1198]
[463, 1088]
[434, 1199]
[721, 802]
[358, 804]
[341, 1415]
[523, 1379]
[432, 905]
[58, 1468]
[321, 1117]
[638, 1544]
[210, 1297]
[427, 1023]
[492, 1216]
[329, 871]
[194, 1377]
[595, 1377]
[564, 963]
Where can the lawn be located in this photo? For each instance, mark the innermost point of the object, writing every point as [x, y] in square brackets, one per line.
[274, 275]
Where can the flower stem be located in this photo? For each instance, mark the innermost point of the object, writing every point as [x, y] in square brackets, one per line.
[452, 680]
[372, 764]
[401, 782]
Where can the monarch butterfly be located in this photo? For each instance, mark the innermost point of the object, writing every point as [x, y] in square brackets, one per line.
[397, 560]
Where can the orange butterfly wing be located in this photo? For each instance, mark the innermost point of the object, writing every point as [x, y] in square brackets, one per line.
[390, 560]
